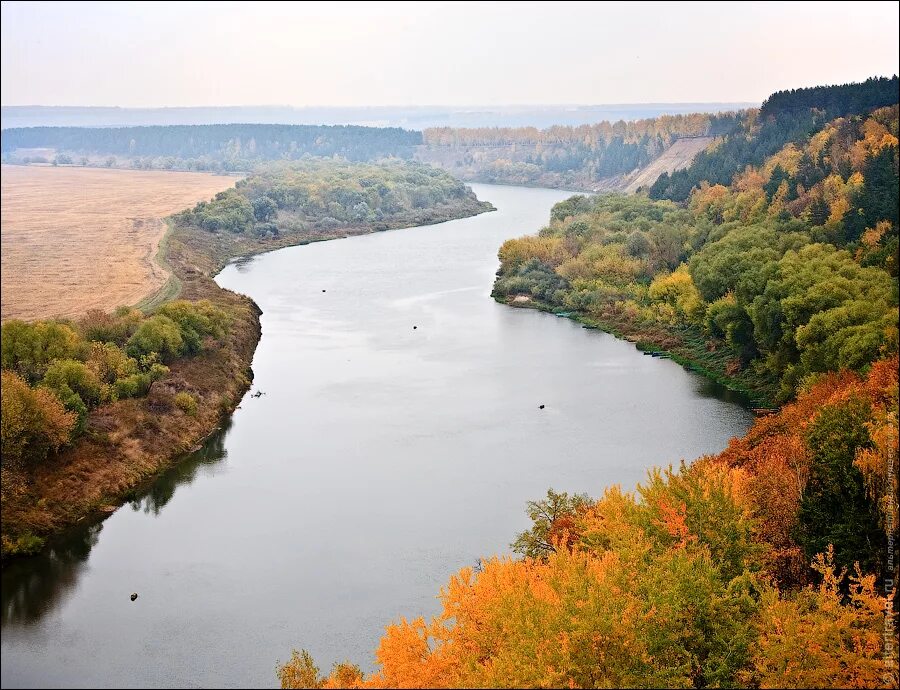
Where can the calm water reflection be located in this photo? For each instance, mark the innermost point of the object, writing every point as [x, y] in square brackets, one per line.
[32, 588]
[381, 459]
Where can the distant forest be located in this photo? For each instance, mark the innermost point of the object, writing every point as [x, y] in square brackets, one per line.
[211, 147]
[317, 196]
[785, 117]
[558, 156]
[577, 157]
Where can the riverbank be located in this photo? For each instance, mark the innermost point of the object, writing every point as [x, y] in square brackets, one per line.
[128, 442]
[683, 345]
[208, 252]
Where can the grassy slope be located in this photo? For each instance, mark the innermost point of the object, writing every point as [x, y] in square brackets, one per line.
[129, 441]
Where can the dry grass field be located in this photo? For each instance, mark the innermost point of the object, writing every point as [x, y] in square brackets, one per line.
[75, 239]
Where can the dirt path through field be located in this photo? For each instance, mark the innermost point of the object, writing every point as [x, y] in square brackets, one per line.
[75, 239]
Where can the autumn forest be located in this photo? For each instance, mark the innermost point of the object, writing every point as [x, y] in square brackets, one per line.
[450, 345]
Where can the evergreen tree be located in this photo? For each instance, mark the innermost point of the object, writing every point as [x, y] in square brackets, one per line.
[779, 175]
[818, 212]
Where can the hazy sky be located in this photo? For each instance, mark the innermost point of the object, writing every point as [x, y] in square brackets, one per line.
[156, 54]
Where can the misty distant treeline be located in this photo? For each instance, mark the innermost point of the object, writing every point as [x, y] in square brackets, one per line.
[558, 156]
[234, 146]
[408, 117]
[561, 156]
[786, 116]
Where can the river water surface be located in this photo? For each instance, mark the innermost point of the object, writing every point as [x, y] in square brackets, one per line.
[380, 459]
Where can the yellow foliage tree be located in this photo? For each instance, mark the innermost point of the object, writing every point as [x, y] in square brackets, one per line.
[710, 201]
[788, 158]
[33, 422]
[549, 250]
[813, 639]
[654, 592]
[836, 194]
[871, 237]
[677, 290]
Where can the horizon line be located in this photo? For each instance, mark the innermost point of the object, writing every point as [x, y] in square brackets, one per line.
[363, 107]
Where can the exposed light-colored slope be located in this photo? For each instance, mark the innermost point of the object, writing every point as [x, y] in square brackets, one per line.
[679, 155]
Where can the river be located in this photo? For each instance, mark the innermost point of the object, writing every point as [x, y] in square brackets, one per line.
[397, 439]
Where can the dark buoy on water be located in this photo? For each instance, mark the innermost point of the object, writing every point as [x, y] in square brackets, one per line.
[415, 327]
[323, 291]
[540, 407]
[133, 596]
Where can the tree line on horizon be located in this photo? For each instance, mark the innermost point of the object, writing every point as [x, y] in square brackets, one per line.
[210, 147]
[559, 156]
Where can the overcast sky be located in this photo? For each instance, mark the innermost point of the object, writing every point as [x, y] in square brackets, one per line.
[143, 54]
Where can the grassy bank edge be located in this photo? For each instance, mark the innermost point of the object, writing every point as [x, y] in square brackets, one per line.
[172, 287]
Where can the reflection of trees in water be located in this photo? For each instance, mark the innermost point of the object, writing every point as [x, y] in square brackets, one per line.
[34, 586]
[154, 498]
[707, 388]
[242, 264]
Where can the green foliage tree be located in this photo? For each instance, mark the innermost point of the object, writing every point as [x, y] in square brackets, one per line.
[136, 385]
[834, 509]
[535, 278]
[195, 321]
[264, 208]
[741, 262]
[300, 671]
[727, 319]
[29, 348]
[812, 291]
[158, 335]
[554, 520]
[76, 386]
[109, 362]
